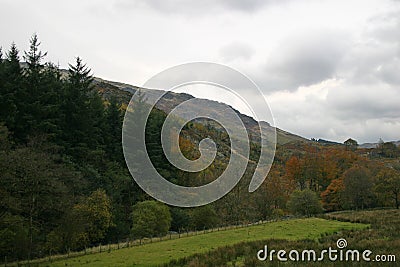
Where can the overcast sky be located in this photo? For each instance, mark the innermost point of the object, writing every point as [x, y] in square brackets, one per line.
[329, 69]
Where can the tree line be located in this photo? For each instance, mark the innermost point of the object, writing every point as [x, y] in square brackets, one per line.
[63, 182]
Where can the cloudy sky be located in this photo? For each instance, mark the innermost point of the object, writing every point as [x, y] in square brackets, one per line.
[329, 69]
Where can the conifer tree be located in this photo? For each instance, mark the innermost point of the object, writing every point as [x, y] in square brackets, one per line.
[113, 131]
[30, 108]
[9, 86]
[84, 112]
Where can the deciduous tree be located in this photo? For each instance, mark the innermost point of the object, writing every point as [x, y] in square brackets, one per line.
[388, 183]
[150, 218]
[358, 185]
[304, 202]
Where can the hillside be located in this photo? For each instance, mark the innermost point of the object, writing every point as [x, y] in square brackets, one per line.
[124, 92]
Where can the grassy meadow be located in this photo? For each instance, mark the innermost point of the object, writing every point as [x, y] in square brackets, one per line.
[161, 253]
[382, 238]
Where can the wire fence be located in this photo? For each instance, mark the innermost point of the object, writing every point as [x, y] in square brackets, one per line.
[129, 243]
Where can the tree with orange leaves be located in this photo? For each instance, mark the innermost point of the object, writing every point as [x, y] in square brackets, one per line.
[294, 171]
[331, 197]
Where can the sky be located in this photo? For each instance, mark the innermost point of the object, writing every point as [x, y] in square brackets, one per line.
[329, 69]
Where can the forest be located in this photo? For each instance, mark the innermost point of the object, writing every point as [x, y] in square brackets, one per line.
[64, 184]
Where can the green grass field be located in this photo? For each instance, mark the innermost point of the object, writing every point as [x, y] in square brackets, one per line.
[382, 238]
[164, 251]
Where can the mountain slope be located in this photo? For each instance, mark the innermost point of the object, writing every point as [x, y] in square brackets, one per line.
[124, 92]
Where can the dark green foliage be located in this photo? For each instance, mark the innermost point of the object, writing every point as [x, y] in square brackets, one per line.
[358, 185]
[94, 213]
[91, 219]
[36, 94]
[150, 218]
[204, 217]
[34, 192]
[113, 133]
[388, 184]
[304, 202]
[180, 219]
[10, 79]
[59, 142]
[83, 114]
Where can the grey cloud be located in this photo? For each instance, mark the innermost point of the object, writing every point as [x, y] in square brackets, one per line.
[377, 58]
[372, 57]
[249, 5]
[365, 63]
[303, 60]
[360, 103]
[193, 7]
[385, 27]
[235, 51]
[390, 72]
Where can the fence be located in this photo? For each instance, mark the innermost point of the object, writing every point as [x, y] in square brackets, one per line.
[126, 244]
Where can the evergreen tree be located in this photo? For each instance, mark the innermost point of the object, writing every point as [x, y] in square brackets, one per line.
[30, 108]
[2, 77]
[37, 103]
[10, 82]
[83, 110]
[34, 58]
[113, 131]
[96, 114]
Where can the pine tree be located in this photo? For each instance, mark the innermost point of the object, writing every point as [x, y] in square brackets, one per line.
[10, 85]
[1, 68]
[29, 95]
[83, 111]
[74, 107]
[113, 131]
[34, 57]
[2, 89]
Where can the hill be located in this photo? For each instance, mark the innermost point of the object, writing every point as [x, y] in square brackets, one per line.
[124, 92]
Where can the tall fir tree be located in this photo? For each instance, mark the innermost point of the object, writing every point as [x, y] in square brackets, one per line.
[10, 85]
[29, 105]
[113, 133]
[83, 111]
